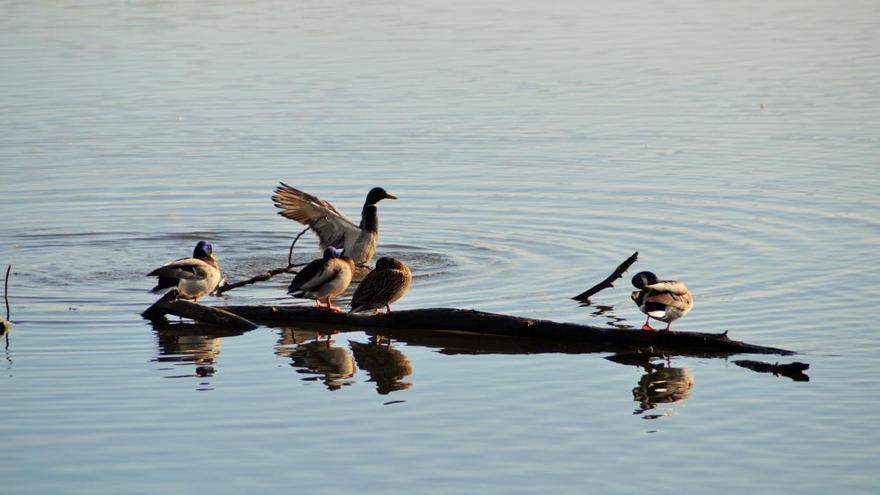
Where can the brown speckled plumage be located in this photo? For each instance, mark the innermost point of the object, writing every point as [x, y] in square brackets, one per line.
[386, 284]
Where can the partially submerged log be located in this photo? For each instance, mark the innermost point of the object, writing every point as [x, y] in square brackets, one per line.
[169, 304]
[479, 322]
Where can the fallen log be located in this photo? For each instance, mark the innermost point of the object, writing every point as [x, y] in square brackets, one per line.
[169, 304]
[479, 322]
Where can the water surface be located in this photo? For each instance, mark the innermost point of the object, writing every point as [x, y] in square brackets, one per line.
[534, 146]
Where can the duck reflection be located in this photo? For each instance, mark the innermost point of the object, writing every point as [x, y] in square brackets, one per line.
[191, 343]
[386, 365]
[662, 385]
[312, 355]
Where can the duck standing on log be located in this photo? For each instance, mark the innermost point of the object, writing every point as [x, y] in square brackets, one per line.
[331, 225]
[664, 300]
[385, 284]
[193, 277]
[324, 278]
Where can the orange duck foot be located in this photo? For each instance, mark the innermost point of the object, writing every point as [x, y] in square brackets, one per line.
[647, 327]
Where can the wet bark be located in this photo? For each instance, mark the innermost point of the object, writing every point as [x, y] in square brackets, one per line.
[434, 320]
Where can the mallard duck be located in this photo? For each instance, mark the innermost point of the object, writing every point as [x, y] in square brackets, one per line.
[384, 285]
[324, 278]
[331, 225]
[664, 300]
[193, 277]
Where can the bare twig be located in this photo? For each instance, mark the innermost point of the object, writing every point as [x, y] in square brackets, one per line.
[257, 278]
[608, 282]
[269, 273]
[290, 253]
[6, 325]
[6, 291]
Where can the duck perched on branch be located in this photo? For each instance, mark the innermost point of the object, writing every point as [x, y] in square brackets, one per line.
[324, 278]
[664, 300]
[384, 285]
[194, 277]
[330, 224]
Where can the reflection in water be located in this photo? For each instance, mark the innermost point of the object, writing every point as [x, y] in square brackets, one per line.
[662, 385]
[385, 365]
[607, 312]
[196, 349]
[191, 343]
[333, 365]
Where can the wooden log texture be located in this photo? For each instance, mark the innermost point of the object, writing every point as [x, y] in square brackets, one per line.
[479, 322]
[169, 304]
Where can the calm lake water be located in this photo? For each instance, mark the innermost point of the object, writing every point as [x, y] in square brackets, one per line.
[534, 146]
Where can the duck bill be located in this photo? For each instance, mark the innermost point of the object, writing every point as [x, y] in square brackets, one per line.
[388, 195]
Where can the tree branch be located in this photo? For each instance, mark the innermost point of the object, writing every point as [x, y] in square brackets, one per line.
[608, 282]
[262, 277]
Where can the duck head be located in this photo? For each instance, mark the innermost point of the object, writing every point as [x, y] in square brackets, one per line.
[641, 279]
[203, 251]
[388, 263]
[332, 252]
[377, 194]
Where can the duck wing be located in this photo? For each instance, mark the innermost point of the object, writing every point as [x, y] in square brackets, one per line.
[330, 224]
[669, 293]
[378, 288]
[670, 286]
[184, 268]
[309, 272]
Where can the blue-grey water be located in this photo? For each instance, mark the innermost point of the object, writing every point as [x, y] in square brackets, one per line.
[533, 145]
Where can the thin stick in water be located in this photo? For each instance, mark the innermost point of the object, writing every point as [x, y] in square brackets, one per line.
[6, 291]
[608, 282]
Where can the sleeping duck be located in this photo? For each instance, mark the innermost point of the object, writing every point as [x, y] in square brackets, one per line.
[664, 300]
[193, 277]
[331, 225]
[384, 285]
[323, 278]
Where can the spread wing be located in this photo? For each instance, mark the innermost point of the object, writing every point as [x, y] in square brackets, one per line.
[184, 268]
[330, 224]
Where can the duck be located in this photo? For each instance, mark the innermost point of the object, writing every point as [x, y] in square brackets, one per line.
[193, 277]
[324, 278]
[385, 284]
[664, 300]
[331, 225]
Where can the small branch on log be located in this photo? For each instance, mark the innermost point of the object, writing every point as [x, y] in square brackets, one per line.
[269, 273]
[257, 278]
[794, 370]
[169, 304]
[608, 282]
[478, 322]
[290, 253]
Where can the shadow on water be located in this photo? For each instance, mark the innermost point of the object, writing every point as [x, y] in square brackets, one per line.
[314, 353]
